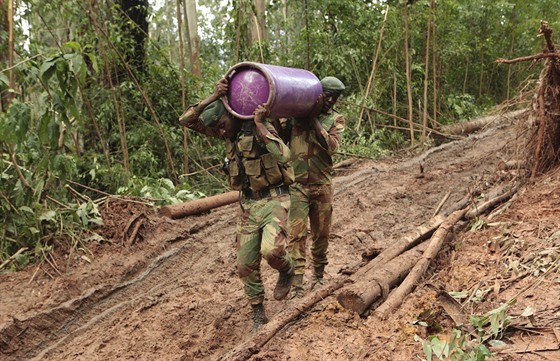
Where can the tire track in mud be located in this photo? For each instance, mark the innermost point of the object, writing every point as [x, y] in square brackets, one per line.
[34, 337]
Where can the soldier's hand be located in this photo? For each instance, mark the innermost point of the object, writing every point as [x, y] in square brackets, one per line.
[317, 107]
[260, 113]
[221, 87]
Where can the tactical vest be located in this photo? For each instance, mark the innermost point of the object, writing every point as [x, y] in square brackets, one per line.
[251, 165]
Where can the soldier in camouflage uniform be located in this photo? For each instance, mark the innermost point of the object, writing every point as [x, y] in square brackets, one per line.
[258, 166]
[313, 141]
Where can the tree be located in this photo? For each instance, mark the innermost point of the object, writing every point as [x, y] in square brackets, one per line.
[192, 31]
[134, 23]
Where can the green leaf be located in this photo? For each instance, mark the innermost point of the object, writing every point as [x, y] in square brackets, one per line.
[427, 348]
[4, 79]
[47, 216]
[27, 210]
[48, 68]
[73, 45]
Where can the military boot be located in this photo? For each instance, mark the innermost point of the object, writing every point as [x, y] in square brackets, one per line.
[297, 287]
[317, 279]
[284, 283]
[259, 316]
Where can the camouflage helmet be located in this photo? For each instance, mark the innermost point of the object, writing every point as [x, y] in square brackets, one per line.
[332, 84]
[212, 113]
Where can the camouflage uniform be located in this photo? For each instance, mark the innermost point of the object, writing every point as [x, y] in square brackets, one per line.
[311, 194]
[262, 173]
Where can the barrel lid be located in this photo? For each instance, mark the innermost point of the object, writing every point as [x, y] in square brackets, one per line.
[248, 87]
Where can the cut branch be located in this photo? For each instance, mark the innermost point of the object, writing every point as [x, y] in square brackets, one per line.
[180, 210]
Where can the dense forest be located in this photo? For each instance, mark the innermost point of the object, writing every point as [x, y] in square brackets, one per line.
[91, 90]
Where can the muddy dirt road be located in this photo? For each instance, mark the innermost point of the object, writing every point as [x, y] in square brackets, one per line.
[174, 294]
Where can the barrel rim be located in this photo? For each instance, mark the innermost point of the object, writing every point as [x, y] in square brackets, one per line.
[261, 68]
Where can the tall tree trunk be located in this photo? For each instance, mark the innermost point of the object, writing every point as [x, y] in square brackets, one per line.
[371, 78]
[434, 67]
[6, 53]
[194, 47]
[308, 50]
[426, 72]
[257, 31]
[407, 62]
[183, 92]
[137, 11]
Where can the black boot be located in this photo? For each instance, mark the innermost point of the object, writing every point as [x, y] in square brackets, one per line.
[297, 287]
[283, 284]
[317, 279]
[259, 316]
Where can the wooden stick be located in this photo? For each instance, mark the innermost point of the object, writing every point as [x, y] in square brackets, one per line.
[529, 57]
[440, 205]
[253, 345]
[12, 257]
[482, 208]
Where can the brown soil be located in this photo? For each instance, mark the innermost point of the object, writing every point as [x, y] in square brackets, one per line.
[172, 292]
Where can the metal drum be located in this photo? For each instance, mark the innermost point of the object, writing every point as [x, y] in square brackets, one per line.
[288, 92]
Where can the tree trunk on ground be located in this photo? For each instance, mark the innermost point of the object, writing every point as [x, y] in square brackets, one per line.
[477, 124]
[361, 295]
[397, 296]
[180, 210]
[389, 275]
[410, 240]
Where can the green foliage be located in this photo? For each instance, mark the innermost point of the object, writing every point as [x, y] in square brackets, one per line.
[460, 346]
[82, 115]
[456, 348]
[161, 191]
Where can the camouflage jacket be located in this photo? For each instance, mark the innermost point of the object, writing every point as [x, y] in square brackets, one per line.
[313, 163]
[252, 164]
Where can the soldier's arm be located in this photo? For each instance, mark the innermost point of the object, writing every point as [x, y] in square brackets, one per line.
[330, 140]
[269, 136]
[191, 117]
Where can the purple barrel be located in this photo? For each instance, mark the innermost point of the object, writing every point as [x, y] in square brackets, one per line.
[288, 92]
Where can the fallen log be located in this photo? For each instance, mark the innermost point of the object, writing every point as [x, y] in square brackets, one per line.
[196, 206]
[365, 278]
[490, 204]
[396, 297]
[387, 276]
[476, 124]
[416, 237]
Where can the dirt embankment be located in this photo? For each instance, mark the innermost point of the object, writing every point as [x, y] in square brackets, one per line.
[173, 293]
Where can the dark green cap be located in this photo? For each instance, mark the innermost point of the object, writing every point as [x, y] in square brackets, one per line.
[212, 113]
[332, 84]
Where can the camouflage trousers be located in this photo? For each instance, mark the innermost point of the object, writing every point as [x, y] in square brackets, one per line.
[262, 233]
[313, 202]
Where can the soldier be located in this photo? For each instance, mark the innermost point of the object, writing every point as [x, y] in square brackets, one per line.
[313, 141]
[258, 166]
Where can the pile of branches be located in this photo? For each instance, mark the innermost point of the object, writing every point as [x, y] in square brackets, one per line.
[543, 147]
[543, 142]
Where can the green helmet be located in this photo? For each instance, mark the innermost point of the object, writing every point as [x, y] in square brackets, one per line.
[332, 84]
[212, 113]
